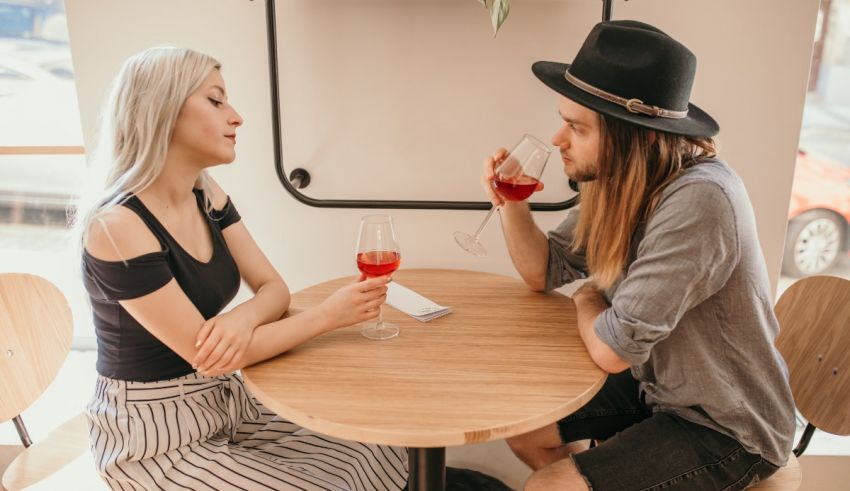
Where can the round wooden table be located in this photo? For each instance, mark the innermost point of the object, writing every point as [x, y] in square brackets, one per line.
[505, 362]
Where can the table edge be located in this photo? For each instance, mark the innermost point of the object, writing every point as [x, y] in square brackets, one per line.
[429, 439]
[425, 439]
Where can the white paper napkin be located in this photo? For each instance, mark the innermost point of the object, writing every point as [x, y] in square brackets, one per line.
[414, 304]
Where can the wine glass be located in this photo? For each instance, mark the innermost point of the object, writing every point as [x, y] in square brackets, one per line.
[378, 254]
[516, 179]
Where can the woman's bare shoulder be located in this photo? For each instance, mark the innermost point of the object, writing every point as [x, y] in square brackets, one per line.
[119, 234]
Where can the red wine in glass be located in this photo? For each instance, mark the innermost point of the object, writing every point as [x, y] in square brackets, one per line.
[516, 178]
[378, 254]
[515, 189]
[378, 263]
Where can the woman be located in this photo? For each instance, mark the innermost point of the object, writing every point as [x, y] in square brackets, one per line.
[164, 253]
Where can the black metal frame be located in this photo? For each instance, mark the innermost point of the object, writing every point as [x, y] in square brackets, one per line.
[271, 34]
[607, 8]
[804, 440]
[22, 431]
[427, 469]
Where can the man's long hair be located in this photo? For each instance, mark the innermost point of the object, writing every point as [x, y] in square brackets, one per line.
[634, 167]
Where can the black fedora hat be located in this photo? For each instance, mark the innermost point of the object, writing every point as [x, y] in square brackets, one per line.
[634, 72]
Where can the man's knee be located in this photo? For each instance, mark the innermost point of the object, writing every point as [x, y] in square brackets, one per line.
[520, 444]
[534, 451]
[527, 450]
[559, 476]
[542, 438]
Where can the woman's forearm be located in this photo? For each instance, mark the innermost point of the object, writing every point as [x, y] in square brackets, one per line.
[282, 335]
[352, 304]
[268, 304]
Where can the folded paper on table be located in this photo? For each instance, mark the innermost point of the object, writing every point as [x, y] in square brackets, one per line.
[414, 304]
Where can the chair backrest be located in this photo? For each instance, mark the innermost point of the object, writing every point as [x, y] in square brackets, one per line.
[35, 336]
[814, 339]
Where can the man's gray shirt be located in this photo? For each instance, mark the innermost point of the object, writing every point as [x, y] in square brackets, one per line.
[693, 313]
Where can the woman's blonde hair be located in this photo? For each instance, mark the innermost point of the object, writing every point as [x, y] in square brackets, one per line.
[635, 165]
[137, 123]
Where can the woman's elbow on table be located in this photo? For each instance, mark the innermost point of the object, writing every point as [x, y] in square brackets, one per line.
[286, 298]
[281, 291]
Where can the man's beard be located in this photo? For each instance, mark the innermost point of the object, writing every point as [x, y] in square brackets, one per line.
[584, 174]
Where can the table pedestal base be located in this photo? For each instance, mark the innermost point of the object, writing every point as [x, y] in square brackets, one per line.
[427, 468]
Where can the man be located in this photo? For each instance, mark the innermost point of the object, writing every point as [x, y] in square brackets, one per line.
[678, 309]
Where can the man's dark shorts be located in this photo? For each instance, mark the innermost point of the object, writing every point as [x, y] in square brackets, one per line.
[646, 451]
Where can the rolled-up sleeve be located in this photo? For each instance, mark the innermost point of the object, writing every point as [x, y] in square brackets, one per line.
[688, 252]
[565, 266]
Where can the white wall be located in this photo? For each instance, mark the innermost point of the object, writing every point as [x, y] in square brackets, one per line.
[415, 93]
[753, 63]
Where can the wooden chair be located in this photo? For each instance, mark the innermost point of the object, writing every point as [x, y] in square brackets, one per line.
[35, 337]
[814, 339]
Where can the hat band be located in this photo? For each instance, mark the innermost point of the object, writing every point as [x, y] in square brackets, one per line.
[632, 105]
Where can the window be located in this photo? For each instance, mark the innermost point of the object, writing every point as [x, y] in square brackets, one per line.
[819, 215]
[41, 149]
[818, 237]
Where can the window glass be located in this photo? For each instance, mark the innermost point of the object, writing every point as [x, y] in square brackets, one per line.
[819, 215]
[41, 153]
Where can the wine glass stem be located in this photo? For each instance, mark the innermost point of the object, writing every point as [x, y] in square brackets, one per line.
[486, 221]
[380, 324]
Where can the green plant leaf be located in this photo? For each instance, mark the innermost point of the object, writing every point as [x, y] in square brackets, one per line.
[499, 10]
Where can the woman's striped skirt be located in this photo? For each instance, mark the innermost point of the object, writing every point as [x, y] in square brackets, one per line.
[204, 433]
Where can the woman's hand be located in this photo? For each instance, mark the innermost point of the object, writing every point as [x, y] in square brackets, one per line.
[222, 341]
[357, 302]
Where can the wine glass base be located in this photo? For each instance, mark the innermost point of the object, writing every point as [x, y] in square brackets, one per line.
[386, 331]
[470, 244]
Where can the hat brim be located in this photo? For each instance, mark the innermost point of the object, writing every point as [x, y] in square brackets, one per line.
[696, 124]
